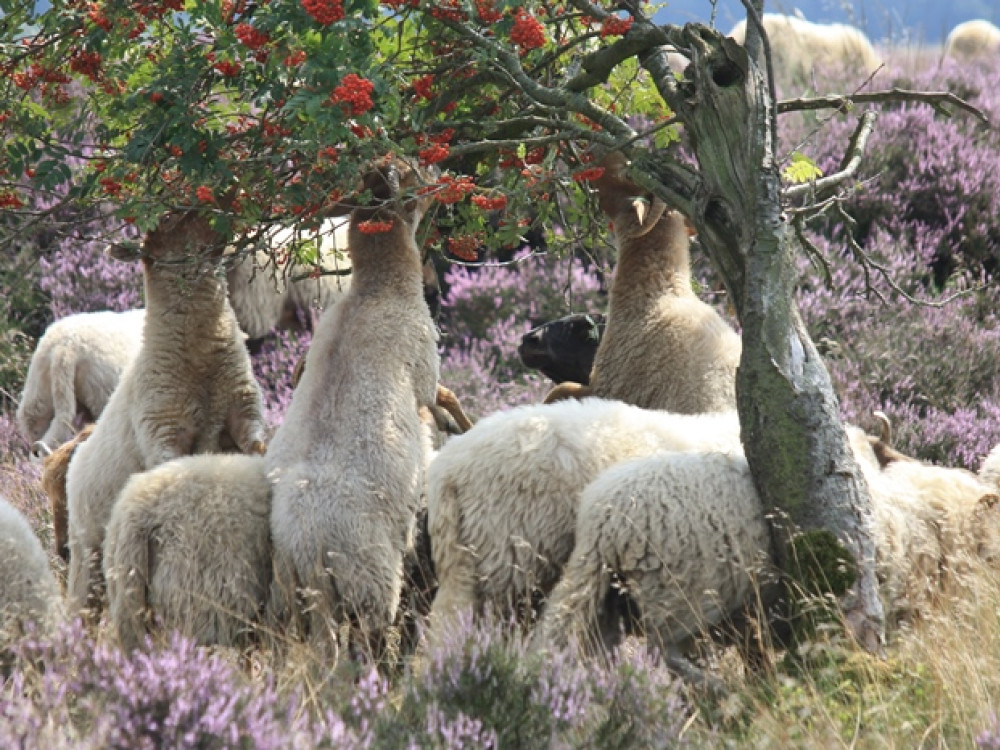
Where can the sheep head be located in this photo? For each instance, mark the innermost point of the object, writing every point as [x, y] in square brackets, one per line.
[633, 210]
[394, 186]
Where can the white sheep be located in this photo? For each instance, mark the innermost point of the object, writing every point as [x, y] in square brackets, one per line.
[188, 548]
[190, 390]
[800, 48]
[502, 498]
[686, 537]
[989, 470]
[663, 347]
[73, 371]
[347, 463]
[29, 590]
[973, 40]
[265, 297]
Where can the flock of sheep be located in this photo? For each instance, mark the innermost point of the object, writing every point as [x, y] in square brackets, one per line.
[174, 511]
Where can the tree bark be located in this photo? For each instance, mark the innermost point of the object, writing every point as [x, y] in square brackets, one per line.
[795, 443]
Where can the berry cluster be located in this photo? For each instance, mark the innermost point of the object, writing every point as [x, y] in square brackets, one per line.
[528, 32]
[250, 37]
[615, 26]
[355, 93]
[324, 12]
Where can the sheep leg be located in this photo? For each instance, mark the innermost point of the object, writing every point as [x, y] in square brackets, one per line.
[567, 390]
[448, 401]
[243, 424]
[83, 589]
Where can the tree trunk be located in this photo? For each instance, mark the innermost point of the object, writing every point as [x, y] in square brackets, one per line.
[795, 443]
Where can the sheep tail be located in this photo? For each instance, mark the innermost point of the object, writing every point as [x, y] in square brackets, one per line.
[454, 561]
[130, 555]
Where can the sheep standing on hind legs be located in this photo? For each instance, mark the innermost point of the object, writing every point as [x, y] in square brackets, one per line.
[347, 463]
[190, 390]
[663, 347]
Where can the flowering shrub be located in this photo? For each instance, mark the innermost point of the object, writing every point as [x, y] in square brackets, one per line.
[929, 217]
[81, 277]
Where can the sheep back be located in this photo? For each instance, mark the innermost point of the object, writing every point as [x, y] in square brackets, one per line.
[685, 536]
[74, 369]
[973, 40]
[502, 498]
[799, 47]
[29, 590]
[188, 547]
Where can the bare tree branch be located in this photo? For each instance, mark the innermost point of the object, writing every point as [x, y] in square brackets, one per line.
[937, 99]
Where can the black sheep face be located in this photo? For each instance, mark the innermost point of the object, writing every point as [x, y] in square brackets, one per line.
[564, 349]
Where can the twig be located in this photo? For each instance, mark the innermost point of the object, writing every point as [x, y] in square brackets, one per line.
[849, 164]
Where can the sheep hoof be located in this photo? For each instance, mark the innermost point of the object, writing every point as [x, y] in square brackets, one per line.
[257, 447]
[40, 450]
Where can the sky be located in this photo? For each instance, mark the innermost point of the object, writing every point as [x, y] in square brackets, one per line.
[924, 21]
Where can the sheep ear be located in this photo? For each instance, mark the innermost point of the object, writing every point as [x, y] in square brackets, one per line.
[989, 501]
[641, 208]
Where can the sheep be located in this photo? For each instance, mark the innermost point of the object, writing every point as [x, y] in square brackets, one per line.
[190, 390]
[73, 371]
[347, 464]
[663, 347]
[29, 591]
[263, 302]
[188, 546]
[989, 471]
[799, 48]
[55, 465]
[502, 498]
[686, 537]
[563, 350]
[973, 40]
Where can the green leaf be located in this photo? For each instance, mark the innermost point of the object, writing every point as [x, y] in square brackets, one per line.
[802, 169]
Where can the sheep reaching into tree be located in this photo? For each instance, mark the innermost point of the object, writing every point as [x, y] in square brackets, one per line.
[347, 463]
[190, 390]
[663, 348]
[29, 590]
[188, 548]
[73, 371]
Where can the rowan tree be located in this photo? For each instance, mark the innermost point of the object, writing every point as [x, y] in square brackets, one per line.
[133, 108]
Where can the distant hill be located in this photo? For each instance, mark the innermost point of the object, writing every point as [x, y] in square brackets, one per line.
[924, 21]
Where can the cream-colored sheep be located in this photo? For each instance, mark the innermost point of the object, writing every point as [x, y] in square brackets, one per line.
[686, 537]
[502, 498]
[347, 463]
[188, 548]
[799, 49]
[989, 470]
[265, 297]
[29, 590]
[973, 40]
[73, 371]
[190, 390]
[663, 347]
